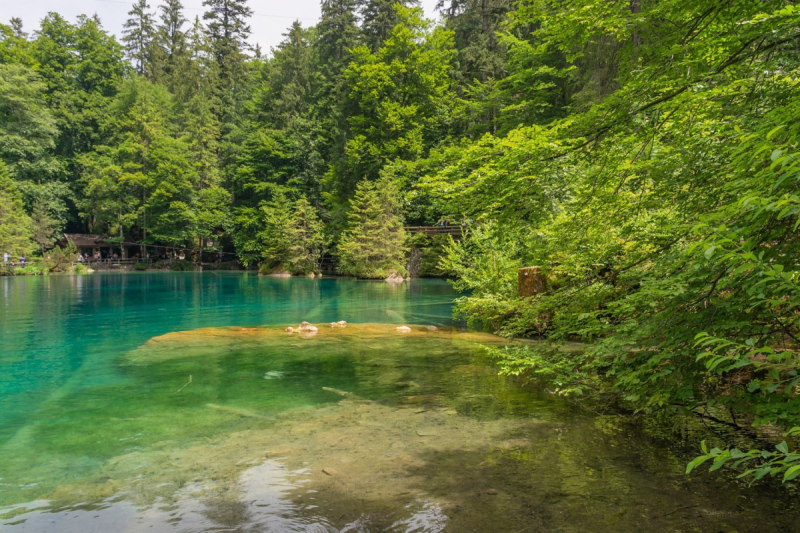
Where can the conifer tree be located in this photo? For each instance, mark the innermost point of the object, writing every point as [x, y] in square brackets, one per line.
[307, 239]
[378, 17]
[43, 229]
[138, 36]
[228, 30]
[16, 27]
[337, 33]
[373, 245]
[275, 234]
[201, 133]
[171, 39]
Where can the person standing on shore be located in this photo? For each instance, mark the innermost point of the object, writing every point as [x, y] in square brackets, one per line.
[5, 258]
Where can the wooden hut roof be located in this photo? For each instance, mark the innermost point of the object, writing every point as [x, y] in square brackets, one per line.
[86, 239]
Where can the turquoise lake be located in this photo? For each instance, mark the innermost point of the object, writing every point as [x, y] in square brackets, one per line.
[176, 402]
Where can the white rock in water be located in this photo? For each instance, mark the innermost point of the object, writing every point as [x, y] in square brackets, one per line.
[340, 324]
[305, 327]
[403, 329]
[431, 328]
[290, 329]
[394, 277]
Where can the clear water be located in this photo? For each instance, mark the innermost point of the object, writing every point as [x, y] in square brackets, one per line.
[174, 402]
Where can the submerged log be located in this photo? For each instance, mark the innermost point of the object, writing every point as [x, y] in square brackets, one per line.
[531, 281]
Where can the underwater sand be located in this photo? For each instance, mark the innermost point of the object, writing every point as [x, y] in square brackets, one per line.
[357, 429]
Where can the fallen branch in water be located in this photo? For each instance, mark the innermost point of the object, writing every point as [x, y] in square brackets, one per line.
[187, 383]
[678, 509]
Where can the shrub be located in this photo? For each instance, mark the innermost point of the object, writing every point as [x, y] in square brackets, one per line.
[140, 266]
[181, 265]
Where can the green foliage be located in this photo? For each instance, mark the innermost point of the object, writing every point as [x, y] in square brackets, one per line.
[14, 222]
[428, 252]
[756, 463]
[287, 236]
[181, 265]
[661, 207]
[139, 36]
[140, 266]
[27, 129]
[373, 245]
[60, 258]
[307, 239]
[402, 95]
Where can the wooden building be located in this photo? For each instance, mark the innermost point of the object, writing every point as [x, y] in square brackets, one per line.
[95, 246]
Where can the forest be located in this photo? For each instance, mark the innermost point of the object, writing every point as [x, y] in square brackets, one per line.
[643, 154]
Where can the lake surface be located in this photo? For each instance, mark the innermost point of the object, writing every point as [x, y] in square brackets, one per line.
[176, 402]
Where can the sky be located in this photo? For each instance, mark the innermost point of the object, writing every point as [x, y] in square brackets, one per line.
[270, 17]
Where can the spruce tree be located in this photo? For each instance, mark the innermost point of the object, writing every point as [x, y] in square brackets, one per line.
[228, 30]
[16, 27]
[171, 39]
[378, 17]
[307, 239]
[275, 235]
[138, 35]
[373, 245]
[337, 33]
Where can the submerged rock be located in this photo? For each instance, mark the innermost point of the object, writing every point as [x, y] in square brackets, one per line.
[394, 277]
[340, 324]
[431, 328]
[403, 329]
[307, 328]
[290, 329]
[329, 471]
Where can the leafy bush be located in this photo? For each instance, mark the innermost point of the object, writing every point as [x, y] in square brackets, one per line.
[427, 254]
[181, 266]
[140, 266]
[60, 258]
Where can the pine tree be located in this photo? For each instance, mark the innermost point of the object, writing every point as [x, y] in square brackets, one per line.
[307, 239]
[16, 27]
[373, 246]
[337, 33]
[138, 36]
[378, 17]
[228, 30]
[43, 229]
[171, 40]
[476, 24]
[201, 134]
[275, 235]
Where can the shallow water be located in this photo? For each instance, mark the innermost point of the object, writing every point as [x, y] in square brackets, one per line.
[166, 402]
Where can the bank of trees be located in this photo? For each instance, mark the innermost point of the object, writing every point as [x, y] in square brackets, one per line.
[641, 153]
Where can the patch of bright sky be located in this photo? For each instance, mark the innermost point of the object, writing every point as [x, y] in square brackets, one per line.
[268, 24]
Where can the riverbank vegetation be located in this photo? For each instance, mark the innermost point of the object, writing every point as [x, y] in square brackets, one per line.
[642, 154]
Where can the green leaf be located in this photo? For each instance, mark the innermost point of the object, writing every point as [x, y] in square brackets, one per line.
[792, 473]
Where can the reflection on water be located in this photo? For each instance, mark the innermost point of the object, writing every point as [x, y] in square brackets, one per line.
[357, 429]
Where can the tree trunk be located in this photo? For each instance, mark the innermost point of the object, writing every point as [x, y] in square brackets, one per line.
[531, 281]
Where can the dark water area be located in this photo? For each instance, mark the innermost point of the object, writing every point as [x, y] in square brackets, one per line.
[177, 402]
